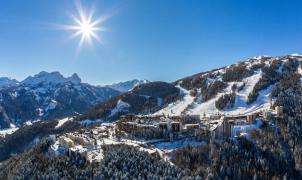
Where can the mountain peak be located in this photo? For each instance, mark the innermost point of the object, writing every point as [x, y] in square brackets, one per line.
[51, 78]
[127, 85]
[75, 79]
[7, 82]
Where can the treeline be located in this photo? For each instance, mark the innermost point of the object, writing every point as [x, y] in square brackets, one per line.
[226, 101]
[237, 73]
[275, 73]
[269, 77]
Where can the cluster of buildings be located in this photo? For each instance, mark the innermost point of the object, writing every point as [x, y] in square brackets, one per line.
[218, 126]
[231, 126]
[173, 127]
[70, 140]
[86, 142]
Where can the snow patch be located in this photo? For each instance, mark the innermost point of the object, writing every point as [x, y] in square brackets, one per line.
[121, 106]
[52, 105]
[245, 130]
[52, 78]
[88, 122]
[177, 144]
[240, 106]
[5, 132]
[176, 108]
[62, 121]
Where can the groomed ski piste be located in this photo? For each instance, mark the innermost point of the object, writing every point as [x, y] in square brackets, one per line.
[240, 108]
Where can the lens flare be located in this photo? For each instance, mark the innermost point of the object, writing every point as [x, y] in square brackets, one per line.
[85, 26]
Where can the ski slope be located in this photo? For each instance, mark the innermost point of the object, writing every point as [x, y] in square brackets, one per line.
[187, 105]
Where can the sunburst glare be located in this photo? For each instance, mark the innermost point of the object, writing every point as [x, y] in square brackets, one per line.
[86, 26]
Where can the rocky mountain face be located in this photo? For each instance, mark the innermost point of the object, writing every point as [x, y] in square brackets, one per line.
[127, 85]
[47, 96]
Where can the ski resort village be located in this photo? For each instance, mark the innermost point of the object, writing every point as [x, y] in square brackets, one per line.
[215, 105]
[159, 134]
[228, 107]
[151, 90]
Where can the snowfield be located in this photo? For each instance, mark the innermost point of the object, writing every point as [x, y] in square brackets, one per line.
[187, 105]
[176, 108]
[121, 106]
[240, 106]
[5, 132]
[62, 121]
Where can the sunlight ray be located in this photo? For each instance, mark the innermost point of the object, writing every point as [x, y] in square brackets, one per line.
[86, 26]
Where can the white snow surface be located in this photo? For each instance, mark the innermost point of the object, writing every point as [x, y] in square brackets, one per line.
[88, 122]
[5, 132]
[7, 82]
[177, 144]
[240, 106]
[50, 78]
[245, 130]
[128, 85]
[52, 105]
[62, 121]
[176, 108]
[187, 105]
[121, 106]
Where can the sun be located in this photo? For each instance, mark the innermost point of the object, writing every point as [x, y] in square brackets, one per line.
[86, 26]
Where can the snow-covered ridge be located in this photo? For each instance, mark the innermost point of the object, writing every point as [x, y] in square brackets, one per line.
[50, 78]
[120, 107]
[8, 82]
[128, 85]
[193, 104]
[49, 96]
[7, 131]
[61, 122]
[176, 108]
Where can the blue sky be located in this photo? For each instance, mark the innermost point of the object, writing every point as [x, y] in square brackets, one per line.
[155, 40]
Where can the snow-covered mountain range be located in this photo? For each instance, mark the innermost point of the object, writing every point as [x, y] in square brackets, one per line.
[241, 88]
[6, 82]
[47, 96]
[127, 85]
[89, 141]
